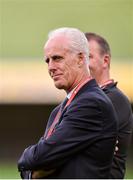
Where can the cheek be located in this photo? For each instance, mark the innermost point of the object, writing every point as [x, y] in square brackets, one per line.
[91, 64]
[68, 69]
[69, 74]
[94, 64]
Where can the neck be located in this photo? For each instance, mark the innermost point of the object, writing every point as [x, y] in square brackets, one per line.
[102, 78]
[78, 80]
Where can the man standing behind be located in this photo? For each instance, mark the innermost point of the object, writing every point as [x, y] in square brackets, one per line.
[80, 137]
[99, 66]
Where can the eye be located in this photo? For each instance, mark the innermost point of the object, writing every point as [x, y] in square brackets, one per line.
[47, 60]
[90, 56]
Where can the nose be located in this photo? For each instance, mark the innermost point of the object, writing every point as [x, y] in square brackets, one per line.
[51, 66]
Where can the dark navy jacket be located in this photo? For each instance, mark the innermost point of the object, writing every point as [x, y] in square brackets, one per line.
[82, 145]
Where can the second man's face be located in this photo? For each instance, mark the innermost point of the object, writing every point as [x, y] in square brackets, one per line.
[96, 60]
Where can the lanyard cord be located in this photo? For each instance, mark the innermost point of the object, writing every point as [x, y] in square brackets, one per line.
[79, 86]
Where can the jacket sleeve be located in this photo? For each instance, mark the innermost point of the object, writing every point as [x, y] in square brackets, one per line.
[80, 126]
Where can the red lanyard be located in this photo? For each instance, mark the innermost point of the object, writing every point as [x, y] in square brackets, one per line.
[106, 83]
[79, 86]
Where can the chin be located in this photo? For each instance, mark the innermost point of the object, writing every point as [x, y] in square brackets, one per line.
[59, 86]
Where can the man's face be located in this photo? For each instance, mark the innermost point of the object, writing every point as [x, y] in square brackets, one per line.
[96, 60]
[62, 63]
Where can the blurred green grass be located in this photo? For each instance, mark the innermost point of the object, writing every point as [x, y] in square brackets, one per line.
[9, 171]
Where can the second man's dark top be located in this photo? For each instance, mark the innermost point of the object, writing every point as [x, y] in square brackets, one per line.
[125, 124]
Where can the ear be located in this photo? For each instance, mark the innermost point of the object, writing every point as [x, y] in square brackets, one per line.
[80, 59]
[106, 61]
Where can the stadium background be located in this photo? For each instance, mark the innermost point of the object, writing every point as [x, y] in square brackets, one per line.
[27, 94]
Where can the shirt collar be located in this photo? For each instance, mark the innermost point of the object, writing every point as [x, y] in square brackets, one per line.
[70, 93]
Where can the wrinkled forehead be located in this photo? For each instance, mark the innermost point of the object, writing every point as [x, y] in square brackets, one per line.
[56, 46]
[56, 42]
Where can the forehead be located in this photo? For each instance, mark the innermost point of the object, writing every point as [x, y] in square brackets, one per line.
[56, 44]
[93, 45]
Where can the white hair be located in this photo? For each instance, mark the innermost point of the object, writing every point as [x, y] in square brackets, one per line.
[78, 40]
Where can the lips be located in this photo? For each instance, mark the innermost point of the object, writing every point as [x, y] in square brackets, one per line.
[56, 76]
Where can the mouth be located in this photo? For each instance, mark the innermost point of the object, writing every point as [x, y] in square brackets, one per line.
[56, 77]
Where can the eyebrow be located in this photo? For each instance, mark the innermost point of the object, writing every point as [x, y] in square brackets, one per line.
[54, 57]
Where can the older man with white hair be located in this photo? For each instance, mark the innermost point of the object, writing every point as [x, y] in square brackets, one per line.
[81, 133]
